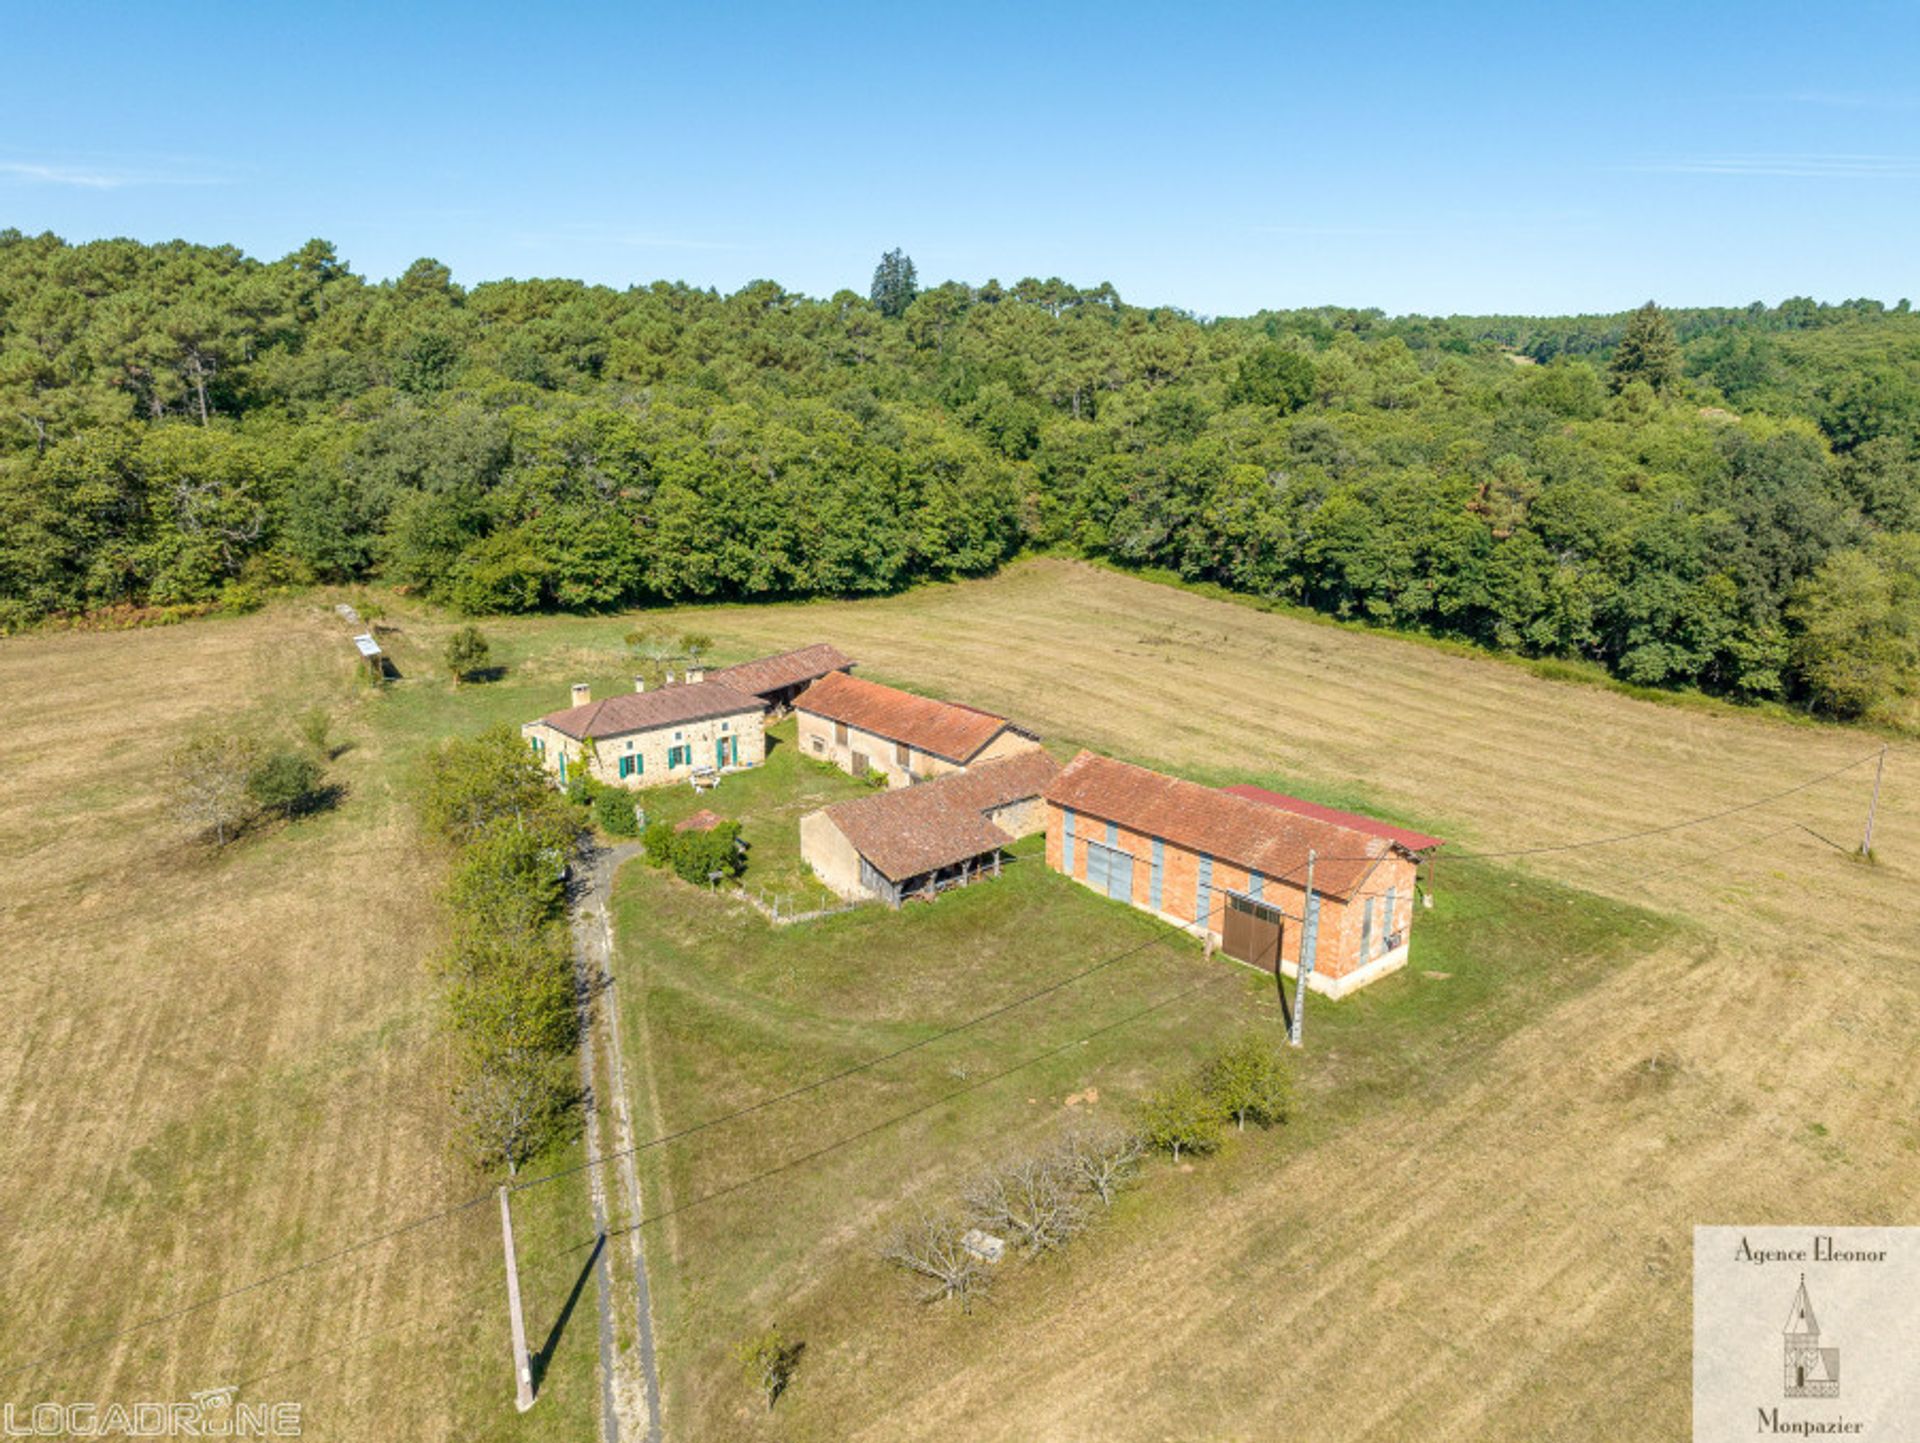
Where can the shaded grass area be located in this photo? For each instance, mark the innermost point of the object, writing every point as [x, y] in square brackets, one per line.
[764, 1220]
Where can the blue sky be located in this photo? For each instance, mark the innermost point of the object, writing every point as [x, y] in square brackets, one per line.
[1498, 157]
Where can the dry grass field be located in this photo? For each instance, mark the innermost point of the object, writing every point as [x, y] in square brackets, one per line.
[1489, 1262]
[221, 1065]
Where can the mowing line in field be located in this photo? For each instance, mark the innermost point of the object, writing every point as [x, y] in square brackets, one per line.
[457, 1209]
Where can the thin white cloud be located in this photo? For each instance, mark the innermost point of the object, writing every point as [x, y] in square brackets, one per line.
[1811, 167]
[90, 177]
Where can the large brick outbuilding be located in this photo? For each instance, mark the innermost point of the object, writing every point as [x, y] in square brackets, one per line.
[1233, 867]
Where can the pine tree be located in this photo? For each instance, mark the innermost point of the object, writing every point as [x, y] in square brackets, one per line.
[1647, 352]
[895, 283]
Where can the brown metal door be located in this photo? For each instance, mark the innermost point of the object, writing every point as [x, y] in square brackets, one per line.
[1250, 932]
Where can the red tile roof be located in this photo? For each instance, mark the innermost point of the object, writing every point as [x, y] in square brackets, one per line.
[645, 711]
[913, 830]
[947, 729]
[1413, 841]
[789, 668]
[1246, 833]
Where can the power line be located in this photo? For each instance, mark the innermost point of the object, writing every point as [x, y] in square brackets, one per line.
[456, 1209]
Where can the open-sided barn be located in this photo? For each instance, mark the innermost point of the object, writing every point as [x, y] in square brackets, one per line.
[915, 840]
[778, 680]
[1234, 868]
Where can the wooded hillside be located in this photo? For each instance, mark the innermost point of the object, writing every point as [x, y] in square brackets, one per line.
[1723, 498]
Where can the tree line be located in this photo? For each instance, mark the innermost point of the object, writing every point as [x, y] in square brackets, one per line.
[1727, 499]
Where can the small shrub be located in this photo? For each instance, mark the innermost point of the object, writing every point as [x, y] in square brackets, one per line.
[284, 782]
[657, 843]
[468, 654]
[613, 810]
[769, 1362]
[697, 856]
[316, 730]
[1180, 1117]
[1031, 1200]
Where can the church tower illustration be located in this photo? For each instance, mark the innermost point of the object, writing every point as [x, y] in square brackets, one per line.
[1811, 1370]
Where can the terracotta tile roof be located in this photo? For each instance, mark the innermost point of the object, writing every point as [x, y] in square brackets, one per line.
[947, 729]
[1234, 829]
[789, 668]
[703, 820]
[941, 823]
[1373, 827]
[645, 711]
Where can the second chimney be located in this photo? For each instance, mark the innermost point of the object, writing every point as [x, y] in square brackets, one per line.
[639, 683]
[696, 673]
[582, 693]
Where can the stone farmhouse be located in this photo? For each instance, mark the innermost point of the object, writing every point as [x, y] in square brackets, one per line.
[1231, 867]
[650, 738]
[916, 841]
[862, 727]
[704, 726]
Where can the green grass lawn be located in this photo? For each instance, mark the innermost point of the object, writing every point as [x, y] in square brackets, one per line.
[727, 1010]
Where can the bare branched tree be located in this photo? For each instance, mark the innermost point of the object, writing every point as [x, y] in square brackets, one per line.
[1102, 1158]
[207, 783]
[1031, 1200]
[929, 1248]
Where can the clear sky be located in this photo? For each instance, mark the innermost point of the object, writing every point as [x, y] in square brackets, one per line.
[1519, 157]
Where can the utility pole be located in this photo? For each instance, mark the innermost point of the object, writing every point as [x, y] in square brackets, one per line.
[522, 1364]
[1879, 767]
[1309, 940]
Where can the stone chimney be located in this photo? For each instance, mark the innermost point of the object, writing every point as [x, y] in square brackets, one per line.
[582, 693]
[669, 680]
[696, 673]
[639, 683]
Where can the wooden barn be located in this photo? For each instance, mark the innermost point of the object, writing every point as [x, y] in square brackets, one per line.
[1232, 867]
[862, 727]
[916, 841]
[779, 680]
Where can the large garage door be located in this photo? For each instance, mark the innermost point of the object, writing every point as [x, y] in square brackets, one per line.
[1110, 870]
[1250, 932]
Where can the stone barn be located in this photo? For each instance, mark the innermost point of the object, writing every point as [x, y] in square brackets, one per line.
[915, 841]
[1232, 869]
[863, 727]
[779, 680]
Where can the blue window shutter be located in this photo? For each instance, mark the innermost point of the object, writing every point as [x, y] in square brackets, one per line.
[1366, 931]
[1159, 867]
[1113, 835]
[1066, 840]
[1386, 922]
[1256, 885]
[1203, 893]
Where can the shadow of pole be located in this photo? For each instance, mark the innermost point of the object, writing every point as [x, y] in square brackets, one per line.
[541, 1360]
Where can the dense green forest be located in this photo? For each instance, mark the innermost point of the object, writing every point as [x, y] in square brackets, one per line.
[1722, 498]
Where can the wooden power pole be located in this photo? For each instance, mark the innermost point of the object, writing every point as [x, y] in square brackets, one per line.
[522, 1364]
[1309, 940]
[1879, 768]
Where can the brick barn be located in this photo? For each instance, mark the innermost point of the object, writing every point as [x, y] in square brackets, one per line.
[861, 726]
[915, 841]
[1232, 867]
[779, 680]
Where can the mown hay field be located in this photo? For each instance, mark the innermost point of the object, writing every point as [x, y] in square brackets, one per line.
[223, 1066]
[1486, 1260]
